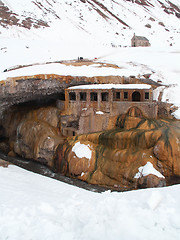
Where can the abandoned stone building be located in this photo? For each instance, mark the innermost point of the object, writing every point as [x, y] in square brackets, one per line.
[139, 41]
[92, 108]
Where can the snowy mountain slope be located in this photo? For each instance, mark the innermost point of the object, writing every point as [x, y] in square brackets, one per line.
[107, 21]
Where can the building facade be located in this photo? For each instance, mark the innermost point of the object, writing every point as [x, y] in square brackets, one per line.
[92, 108]
[139, 41]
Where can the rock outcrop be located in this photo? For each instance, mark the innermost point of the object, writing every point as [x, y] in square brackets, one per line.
[29, 88]
[33, 134]
[117, 154]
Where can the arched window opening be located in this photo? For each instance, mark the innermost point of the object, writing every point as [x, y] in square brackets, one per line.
[136, 97]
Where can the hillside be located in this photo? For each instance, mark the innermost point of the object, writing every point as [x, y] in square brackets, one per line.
[108, 21]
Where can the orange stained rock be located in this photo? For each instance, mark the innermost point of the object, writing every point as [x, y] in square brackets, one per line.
[119, 152]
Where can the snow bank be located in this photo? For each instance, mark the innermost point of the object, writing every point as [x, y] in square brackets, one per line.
[176, 114]
[111, 86]
[146, 170]
[82, 150]
[36, 207]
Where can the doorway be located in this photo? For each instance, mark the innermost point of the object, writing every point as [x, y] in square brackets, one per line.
[136, 97]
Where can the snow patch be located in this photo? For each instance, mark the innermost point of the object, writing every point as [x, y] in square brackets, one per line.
[82, 150]
[146, 170]
[111, 86]
[99, 112]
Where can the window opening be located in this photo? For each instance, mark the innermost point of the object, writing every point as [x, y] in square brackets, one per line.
[83, 96]
[146, 95]
[104, 96]
[72, 96]
[93, 96]
[118, 95]
[136, 97]
[125, 95]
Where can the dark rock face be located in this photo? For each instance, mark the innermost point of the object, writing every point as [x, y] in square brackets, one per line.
[23, 89]
[150, 181]
[117, 154]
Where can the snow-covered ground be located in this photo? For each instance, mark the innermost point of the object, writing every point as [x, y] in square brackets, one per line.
[163, 63]
[36, 207]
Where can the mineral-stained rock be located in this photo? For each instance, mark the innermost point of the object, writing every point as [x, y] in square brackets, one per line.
[150, 181]
[37, 140]
[11, 154]
[4, 147]
[4, 163]
[34, 134]
[118, 153]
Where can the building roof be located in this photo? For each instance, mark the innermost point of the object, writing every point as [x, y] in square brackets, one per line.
[110, 86]
[141, 38]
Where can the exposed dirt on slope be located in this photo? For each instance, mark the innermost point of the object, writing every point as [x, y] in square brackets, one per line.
[8, 17]
[76, 63]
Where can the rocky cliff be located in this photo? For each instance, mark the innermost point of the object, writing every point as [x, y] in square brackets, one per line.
[29, 88]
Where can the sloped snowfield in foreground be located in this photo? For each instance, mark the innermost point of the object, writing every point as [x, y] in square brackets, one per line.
[36, 207]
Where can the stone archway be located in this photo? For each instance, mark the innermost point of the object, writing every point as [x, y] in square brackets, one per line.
[136, 96]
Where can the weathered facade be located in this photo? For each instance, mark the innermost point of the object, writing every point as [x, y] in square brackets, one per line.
[139, 41]
[92, 108]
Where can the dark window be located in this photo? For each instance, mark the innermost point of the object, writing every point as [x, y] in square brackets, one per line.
[136, 96]
[82, 96]
[62, 96]
[146, 95]
[118, 95]
[104, 96]
[93, 96]
[73, 133]
[125, 95]
[72, 96]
